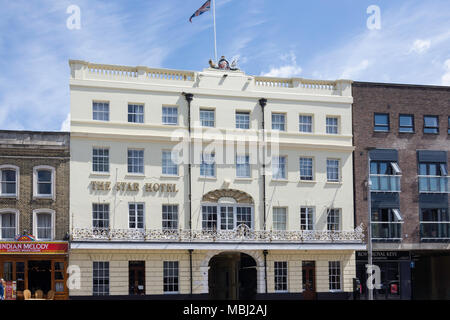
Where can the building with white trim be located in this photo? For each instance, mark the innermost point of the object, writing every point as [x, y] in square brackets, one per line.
[224, 225]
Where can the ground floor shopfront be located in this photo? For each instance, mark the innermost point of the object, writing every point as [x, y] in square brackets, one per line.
[227, 274]
[407, 275]
[34, 266]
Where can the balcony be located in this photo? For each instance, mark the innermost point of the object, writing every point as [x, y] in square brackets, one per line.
[435, 231]
[433, 184]
[241, 233]
[386, 231]
[384, 183]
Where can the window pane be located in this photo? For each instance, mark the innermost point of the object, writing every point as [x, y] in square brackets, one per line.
[381, 122]
[332, 125]
[207, 118]
[44, 226]
[279, 218]
[278, 121]
[305, 123]
[242, 120]
[8, 181]
[8, 225]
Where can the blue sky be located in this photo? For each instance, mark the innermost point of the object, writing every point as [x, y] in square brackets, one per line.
[321, 39]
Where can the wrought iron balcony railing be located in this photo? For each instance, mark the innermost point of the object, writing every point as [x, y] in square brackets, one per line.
[385, 183]
[241, 233]
[434, 184]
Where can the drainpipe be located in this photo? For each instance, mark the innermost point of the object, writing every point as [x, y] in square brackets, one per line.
[189, 97]
[190, 266]
[262, 103]
[265, 252]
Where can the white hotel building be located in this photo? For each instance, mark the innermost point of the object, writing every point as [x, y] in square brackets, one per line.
[222, 226]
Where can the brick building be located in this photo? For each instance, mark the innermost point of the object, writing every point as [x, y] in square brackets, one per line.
[405, 129]
[34, 210]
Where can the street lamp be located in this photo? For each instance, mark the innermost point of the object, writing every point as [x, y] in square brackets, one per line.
[369, 230]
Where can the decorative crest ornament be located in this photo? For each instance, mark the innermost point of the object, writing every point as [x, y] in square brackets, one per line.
[223, 64]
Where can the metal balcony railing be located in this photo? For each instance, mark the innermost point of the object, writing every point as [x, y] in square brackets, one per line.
[434, 184]
[387, 231]
[435, 231]
[385, 183]
[241, 233]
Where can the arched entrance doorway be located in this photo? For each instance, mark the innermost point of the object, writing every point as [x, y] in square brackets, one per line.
[232, 276]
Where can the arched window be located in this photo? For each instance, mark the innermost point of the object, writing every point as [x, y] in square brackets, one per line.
[44, 224]
[9, 181]
[9, 224]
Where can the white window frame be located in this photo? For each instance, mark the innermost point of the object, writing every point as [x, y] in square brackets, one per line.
[207, 111]
[338, 124]
[101, 276]
[339, 179]
[136, 216]
[238, 124]
[312, 168]
[172, 212]
[98, 219]
[35, 182]
[169, 116]
[300, 124]
[339, 220]
[177, 276]
[278, 123]
[36, 212]
[16, 213]
[274, 210]
[219, 212]
[246, 164]
[17, 170]
[164, 167]
[109, 164]
[132, 164]
[332, 267]
[310, 215]
[275, 176]
[287, 277]
[210, 156]
[102, 112]
[135, 114]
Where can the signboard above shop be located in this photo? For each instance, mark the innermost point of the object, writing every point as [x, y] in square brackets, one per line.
[26, 244]
[384, 255]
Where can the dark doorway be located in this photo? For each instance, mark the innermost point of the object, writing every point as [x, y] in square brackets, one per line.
[136, 279]
[309, 280]
[39, 276]
[232, 276]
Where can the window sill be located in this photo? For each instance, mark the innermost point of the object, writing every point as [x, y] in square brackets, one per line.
[207, 178]
[8, 196]
[307, 181]
[169, 176]
[135, 175]
[334, 182]
[336, 291]
[43, 197]
[99, 174]
[243, 179]
[279, 180]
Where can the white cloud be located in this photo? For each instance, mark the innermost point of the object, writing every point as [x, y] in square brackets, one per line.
[65, 126]
[353, 71]
[446, 76]
[420, 46]
[291, 69]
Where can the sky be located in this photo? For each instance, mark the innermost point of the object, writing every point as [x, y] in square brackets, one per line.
[401, 41]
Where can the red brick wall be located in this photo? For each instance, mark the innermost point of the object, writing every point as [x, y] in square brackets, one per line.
[397, 99]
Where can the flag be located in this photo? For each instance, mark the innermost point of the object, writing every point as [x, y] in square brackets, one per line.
[205, 7]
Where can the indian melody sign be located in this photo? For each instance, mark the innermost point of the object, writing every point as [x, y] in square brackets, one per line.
[134, 186]
[33, 247]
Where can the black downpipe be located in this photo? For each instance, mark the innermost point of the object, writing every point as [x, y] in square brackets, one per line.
[190, 267]
[265, 252]
[189, 97]
[262, 103]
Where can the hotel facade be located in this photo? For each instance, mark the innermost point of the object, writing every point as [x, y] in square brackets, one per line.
[211, 184]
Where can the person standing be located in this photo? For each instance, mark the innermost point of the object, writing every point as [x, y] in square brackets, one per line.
[2, 289]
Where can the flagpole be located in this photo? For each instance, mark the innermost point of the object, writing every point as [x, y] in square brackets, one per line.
[214, 18]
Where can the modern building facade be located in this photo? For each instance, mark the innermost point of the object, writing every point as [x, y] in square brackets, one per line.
[34, 212]
[170, 198]
[402, 132]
